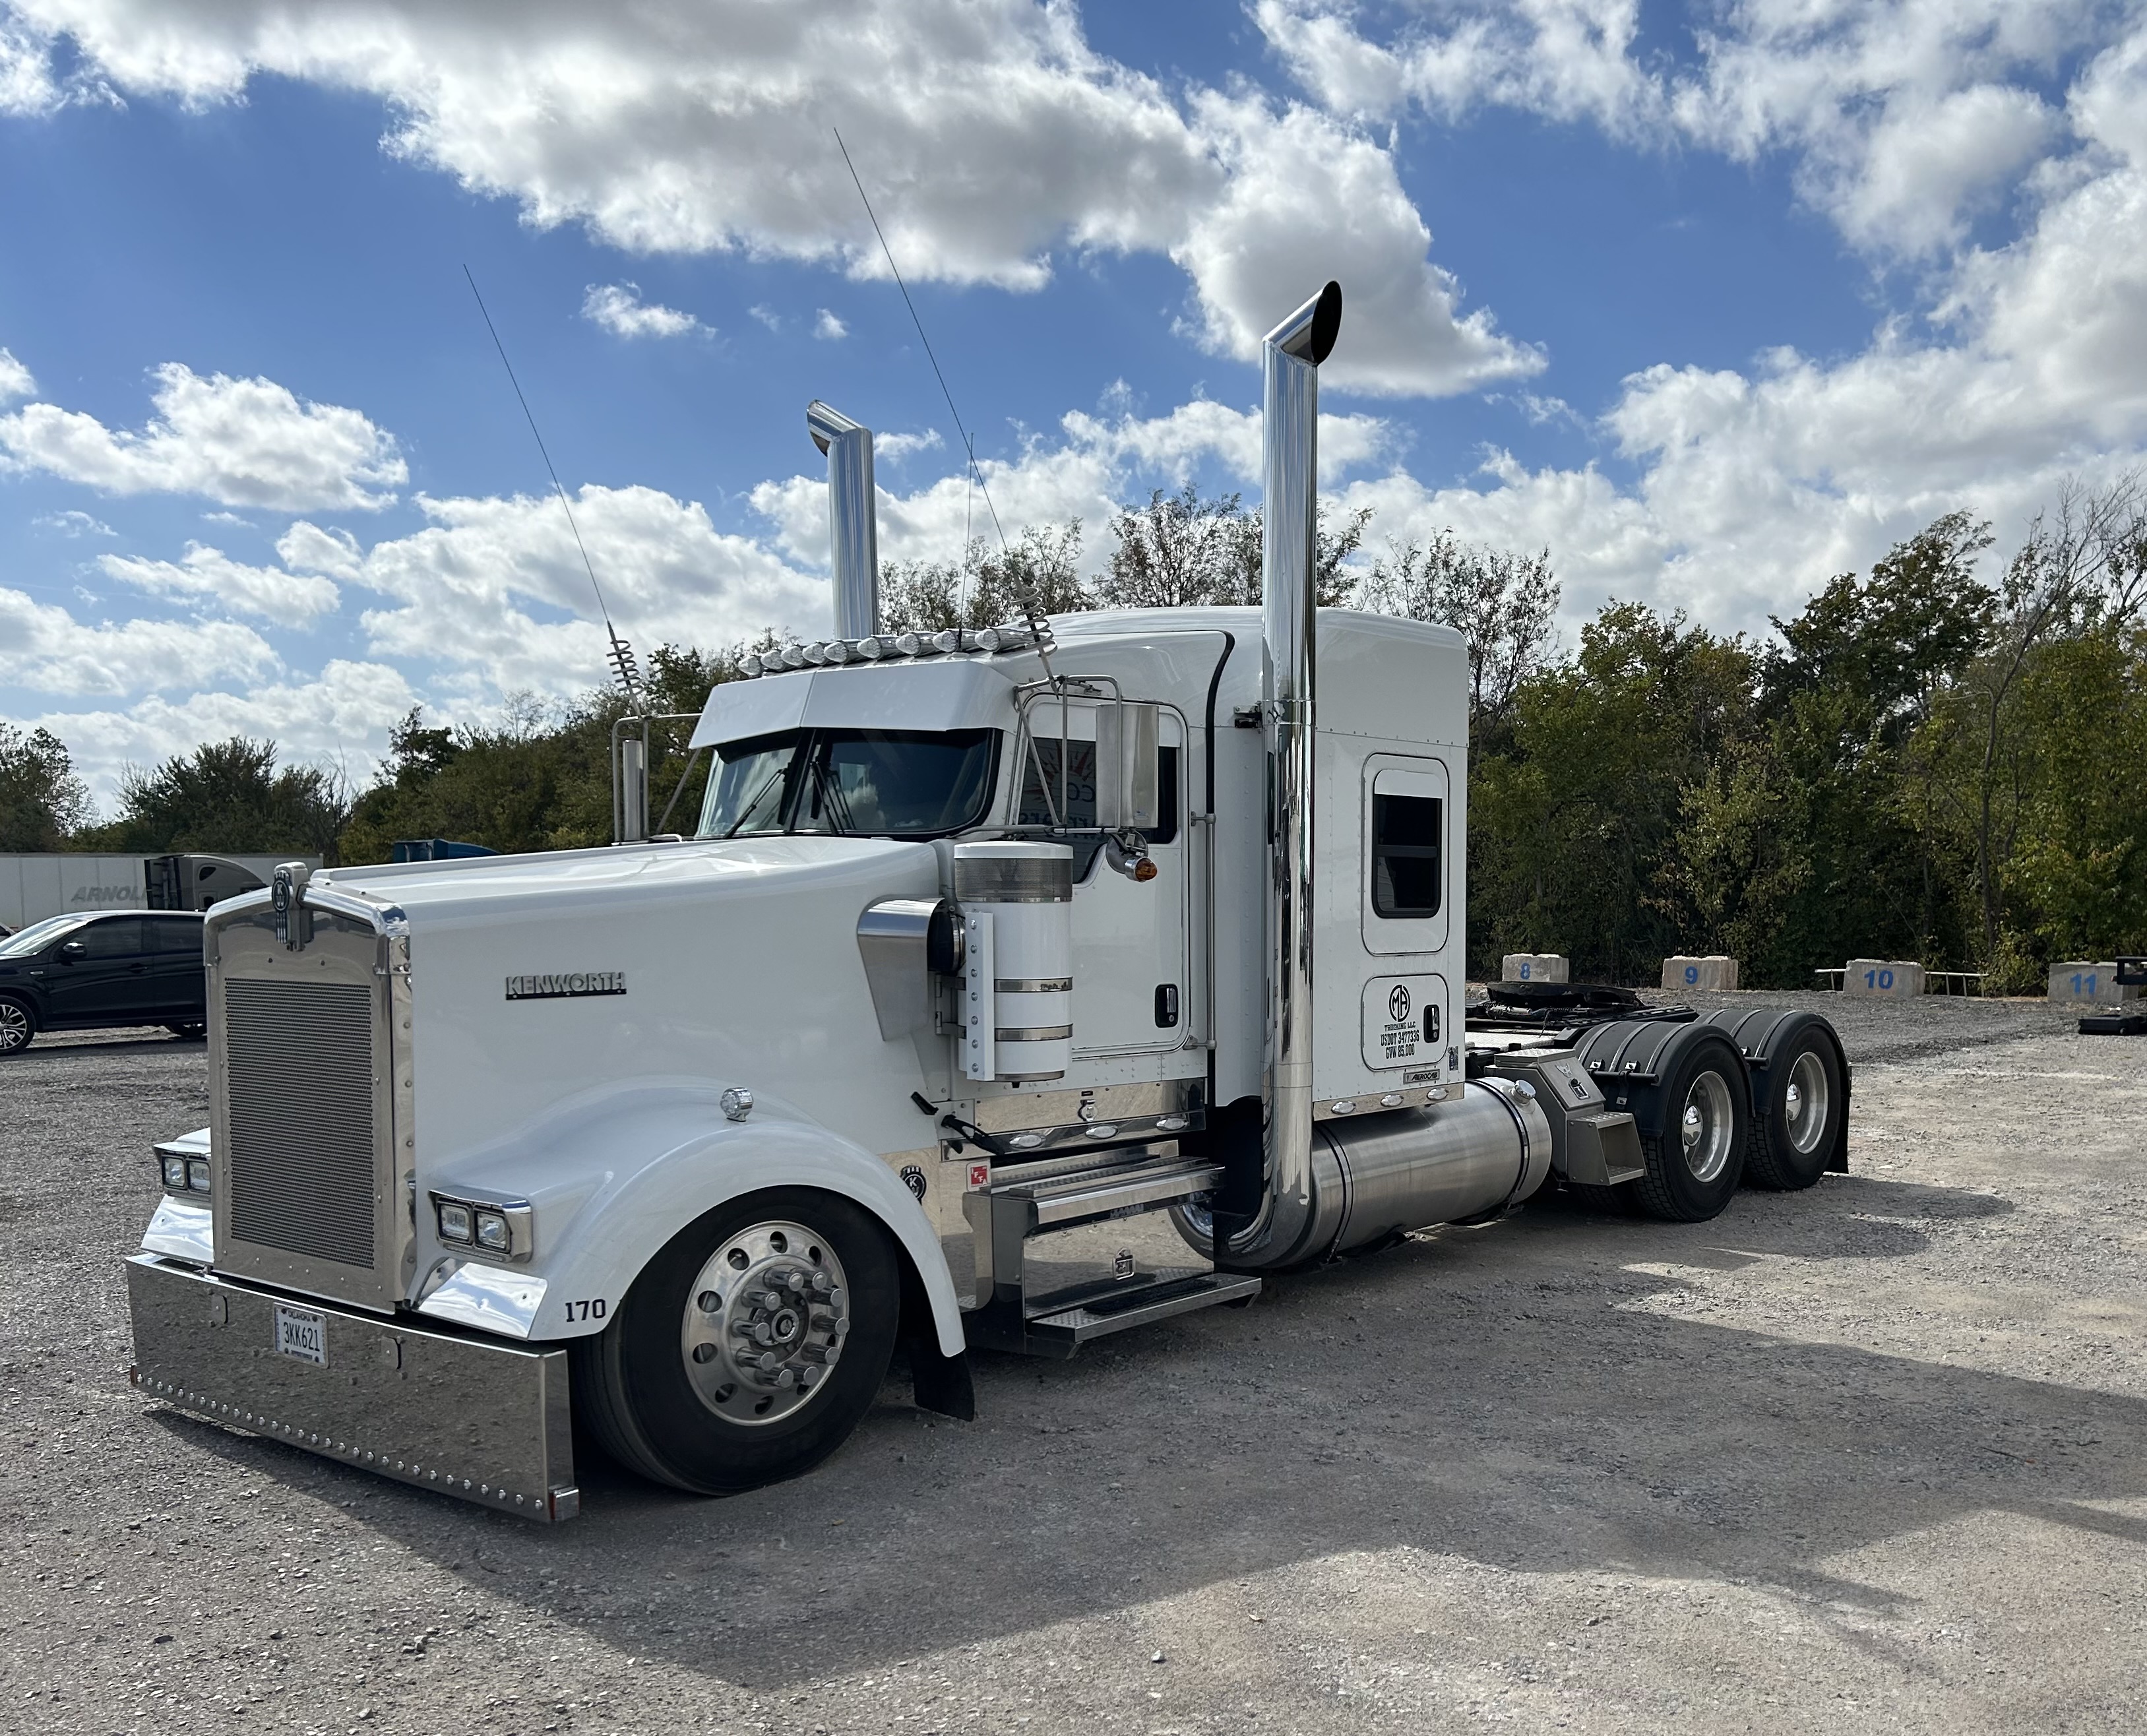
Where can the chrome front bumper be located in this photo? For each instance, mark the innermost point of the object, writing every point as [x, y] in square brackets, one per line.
[484, 1421]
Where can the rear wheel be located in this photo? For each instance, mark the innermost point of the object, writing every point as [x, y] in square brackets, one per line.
[18, 1025]
[1695, 1154]
[749, 1347]
[1796, 1126]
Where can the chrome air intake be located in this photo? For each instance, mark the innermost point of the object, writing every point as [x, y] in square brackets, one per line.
[853, 532]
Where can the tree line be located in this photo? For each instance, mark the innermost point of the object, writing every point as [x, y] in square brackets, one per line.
[1919, 763]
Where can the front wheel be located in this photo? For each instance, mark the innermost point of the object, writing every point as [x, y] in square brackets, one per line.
[749, 1347]
[18, 1025]
[1695, 1155]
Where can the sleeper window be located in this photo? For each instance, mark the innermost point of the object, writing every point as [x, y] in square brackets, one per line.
[1408, 873]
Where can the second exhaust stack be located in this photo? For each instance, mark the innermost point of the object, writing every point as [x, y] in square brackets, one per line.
[852, 529]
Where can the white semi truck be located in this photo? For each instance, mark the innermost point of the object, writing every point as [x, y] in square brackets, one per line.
[1015, 987]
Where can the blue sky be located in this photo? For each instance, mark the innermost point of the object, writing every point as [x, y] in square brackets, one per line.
[1710, 300]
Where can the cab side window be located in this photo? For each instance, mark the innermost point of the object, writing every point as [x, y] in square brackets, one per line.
[1408, 870]
[174, 934]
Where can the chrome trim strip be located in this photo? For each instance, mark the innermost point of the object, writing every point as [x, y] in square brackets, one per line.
[1015, 880]
[1033, 1034]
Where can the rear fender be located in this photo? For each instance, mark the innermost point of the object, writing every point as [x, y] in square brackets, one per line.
[1765, 1033]
[607, 1192]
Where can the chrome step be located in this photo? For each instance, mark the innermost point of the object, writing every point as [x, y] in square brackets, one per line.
[1068, 1328]
[1103, 1192]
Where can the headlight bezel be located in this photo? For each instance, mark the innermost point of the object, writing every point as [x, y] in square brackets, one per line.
[491, 1228]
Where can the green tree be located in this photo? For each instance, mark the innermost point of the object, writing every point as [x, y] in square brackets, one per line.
[229, 797]
[1040, 572]
[42, 801]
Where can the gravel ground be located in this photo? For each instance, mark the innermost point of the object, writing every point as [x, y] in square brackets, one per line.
[1865, 1459]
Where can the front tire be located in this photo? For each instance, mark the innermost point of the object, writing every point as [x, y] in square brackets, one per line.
[18, 1025]
[749, 1347]
[1695, 1155]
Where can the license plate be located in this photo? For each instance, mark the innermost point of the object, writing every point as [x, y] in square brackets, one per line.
[302, 1332]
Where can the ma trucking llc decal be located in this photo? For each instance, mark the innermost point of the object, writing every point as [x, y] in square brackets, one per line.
[568, 983]
[1401, 1020]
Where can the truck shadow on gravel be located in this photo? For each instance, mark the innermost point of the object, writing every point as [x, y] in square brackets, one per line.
[1519, 1396]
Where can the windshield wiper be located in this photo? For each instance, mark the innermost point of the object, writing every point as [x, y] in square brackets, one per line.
[745, 813]
[831, 794]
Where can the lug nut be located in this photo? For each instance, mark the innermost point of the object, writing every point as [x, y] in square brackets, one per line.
[795, 1281]
[763, 1333]
[787, 1378]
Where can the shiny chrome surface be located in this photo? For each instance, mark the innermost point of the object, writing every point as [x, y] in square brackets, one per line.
[1290, 1210]
[894, 941]
[764, 1322]
[490, 1298]
[1420, 1167]
[1805, 1103]
[1048, 1111]
[1010, 879]
[1705, 1126]
[852, 510]
[484, 1421]
[182, 1229]
[310, 1089]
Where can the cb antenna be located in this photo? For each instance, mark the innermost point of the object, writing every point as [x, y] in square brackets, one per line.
[1038, 626]
[622, 661]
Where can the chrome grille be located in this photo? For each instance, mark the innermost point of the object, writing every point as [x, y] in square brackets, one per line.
[299, 1063]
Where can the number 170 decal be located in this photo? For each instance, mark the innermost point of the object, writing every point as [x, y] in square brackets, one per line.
[592, 1310]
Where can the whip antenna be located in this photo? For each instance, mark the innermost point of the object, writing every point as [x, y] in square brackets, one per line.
[622, 657]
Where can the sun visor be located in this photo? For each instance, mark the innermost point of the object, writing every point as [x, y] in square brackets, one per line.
[911, 694]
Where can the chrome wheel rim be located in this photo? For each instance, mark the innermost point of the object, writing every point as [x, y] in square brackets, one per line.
[14, 1027]
[1705, 1126]
[1804, 1103]
[765, 1323]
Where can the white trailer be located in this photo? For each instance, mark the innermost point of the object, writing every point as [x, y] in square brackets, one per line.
[1015, 988]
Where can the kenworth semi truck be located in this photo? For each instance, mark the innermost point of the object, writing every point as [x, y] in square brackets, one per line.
[1014, 988]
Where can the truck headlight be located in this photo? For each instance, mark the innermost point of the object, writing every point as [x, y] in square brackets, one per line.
[492, 1233]
[198, 1175]
[454, 1221]
[175, 1174]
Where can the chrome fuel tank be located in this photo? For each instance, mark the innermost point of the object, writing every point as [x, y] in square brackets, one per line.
[1451, 1161]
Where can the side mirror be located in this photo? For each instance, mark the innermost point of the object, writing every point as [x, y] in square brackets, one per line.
[1128, 766]
[72, 950]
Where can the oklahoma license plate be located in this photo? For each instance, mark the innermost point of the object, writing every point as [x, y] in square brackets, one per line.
[302, 1332]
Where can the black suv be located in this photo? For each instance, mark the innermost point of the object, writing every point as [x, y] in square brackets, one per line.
[116, 968]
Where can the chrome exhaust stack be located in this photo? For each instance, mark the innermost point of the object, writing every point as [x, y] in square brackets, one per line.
[852, 530]
[1293, 352]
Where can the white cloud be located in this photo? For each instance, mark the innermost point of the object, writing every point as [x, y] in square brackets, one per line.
[1104, 461]
[767, 316]
[74, 523]
[340, 717]
[1903, 116]
[306, 548]
[496, 588]
[618, 308]
[701, 125]
[15, 380]
[897, 447]
[210, 575]
[829, 326]
[45, 648]
[241, 443]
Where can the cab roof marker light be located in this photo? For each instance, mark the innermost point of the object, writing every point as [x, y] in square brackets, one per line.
[949, 641]
[910, 644]
[751, 666]
[836, 652]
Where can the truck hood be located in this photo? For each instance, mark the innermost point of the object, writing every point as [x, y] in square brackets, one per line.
[649, 878]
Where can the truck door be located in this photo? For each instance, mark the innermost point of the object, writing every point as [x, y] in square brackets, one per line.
[99, 973]
[1132, 939]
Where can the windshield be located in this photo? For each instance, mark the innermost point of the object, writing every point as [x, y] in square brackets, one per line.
[38, 936]
[858, 783]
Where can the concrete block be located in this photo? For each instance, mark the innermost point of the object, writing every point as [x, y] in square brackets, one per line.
[1535, 967]
[2090, 983]
[1893, 979]
[1716, 971]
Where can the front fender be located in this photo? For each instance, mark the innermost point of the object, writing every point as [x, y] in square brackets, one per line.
[608, 1194]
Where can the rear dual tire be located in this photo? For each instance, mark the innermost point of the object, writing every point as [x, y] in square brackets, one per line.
[1796, 1124]
[673, 1389]
[1695, 1153]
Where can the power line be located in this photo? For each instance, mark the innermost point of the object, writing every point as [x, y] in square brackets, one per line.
[967, 445]
[621, 653]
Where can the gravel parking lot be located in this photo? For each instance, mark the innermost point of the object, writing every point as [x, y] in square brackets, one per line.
[1869, 1458]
